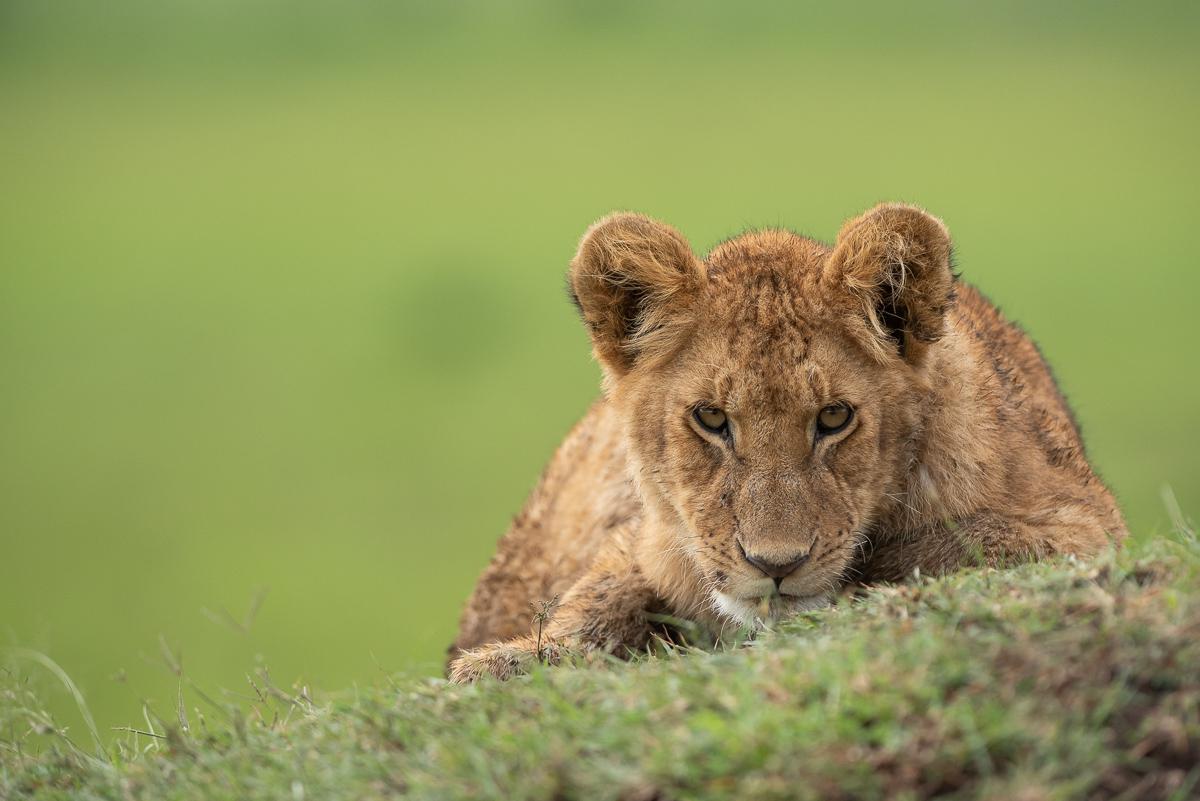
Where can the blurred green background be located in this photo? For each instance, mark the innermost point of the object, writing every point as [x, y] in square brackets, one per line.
[281, 283]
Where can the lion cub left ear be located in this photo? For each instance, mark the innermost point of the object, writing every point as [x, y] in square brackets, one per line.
[895, 262]
[633, 280]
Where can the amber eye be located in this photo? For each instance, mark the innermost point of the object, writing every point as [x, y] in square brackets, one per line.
[833, 419]
[713, 420]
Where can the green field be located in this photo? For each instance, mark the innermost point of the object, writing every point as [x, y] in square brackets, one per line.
[281, 295]
[1049, 682]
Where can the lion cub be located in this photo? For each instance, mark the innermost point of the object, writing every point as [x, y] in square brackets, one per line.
[780, 418]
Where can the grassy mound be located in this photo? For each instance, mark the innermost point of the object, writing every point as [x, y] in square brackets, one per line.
[1062, 680]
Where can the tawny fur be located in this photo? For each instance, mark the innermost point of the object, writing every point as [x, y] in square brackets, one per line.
[961, 448]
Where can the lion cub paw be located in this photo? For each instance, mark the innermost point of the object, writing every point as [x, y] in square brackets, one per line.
[502, 660]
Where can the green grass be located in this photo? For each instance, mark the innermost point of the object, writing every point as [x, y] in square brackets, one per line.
[1052, 681]
[281, 302]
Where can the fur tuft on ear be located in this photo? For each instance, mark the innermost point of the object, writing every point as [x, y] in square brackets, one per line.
[895, 261]
[632, 280]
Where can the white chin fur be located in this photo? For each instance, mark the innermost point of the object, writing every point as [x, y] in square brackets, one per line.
[749, 611]
[737, 610]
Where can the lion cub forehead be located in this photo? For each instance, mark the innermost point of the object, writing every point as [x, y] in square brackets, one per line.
[763, 290]
[773, 249]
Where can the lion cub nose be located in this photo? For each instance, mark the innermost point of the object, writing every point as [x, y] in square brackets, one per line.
[776, 569]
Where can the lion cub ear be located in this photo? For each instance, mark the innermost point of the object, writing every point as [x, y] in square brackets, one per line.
[895, 262]
[633, 280]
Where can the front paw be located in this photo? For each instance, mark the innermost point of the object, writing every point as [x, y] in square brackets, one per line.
[503, 660]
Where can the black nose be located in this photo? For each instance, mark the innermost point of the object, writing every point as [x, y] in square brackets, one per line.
[776, 570]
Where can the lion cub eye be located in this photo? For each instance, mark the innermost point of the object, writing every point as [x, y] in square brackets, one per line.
[833, 419]
[713, 420]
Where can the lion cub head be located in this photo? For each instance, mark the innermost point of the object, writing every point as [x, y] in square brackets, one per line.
[770, 392]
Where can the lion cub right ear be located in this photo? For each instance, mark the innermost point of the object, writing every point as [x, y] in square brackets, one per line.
[894, 264]
[633, 279]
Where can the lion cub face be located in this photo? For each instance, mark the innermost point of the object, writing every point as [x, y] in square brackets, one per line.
[769, 392]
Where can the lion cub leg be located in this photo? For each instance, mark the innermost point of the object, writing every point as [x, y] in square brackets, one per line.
[604, 611]
[990, 539]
